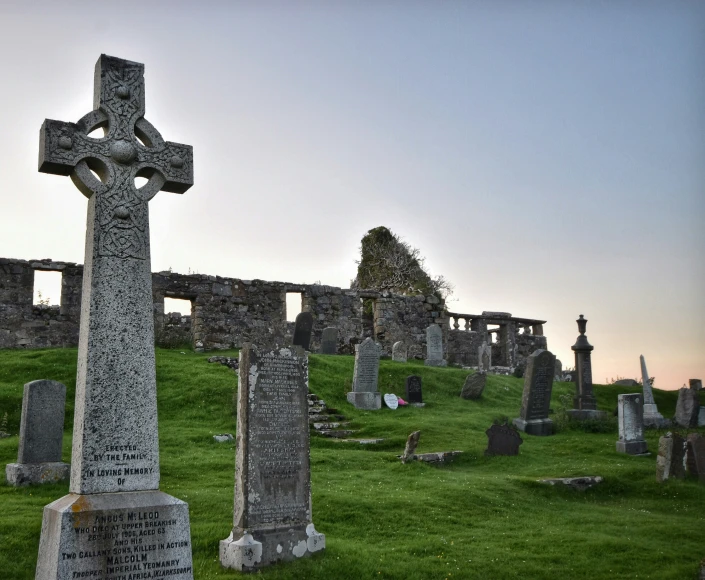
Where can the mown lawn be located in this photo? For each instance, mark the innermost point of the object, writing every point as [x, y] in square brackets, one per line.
[479, 517]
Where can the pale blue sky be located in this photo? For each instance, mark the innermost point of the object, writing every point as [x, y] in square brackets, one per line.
[547, 157]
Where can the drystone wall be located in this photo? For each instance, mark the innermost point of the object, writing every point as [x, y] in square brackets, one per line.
[227, 312]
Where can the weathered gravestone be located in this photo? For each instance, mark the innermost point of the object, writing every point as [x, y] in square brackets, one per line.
[536, 400]
[411, 444]
[272, 517]
[695, 384]
[413, 389]
[399, 352]
[630, 417]
[474, 385]
[392, 401]
[365, 394]
[558, 371]
[41, 435]
[114, 490]
[626, 383]
[695, 455]
[671, 457]
[434, 346]
[652, 418]
[484, 357]
[502, 440]
[329, 340]
[302, 330]
[584, 403]
[687, 408]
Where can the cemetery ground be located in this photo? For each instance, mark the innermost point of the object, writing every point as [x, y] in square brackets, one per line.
[478, 517]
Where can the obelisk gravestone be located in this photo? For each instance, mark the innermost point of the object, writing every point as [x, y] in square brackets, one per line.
[652, 418]
[104, 526]
[585, 403]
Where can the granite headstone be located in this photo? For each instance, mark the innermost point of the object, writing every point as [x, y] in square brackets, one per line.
[41, 436]
[670, 461]
[695, 460]
[413, 389]
[536, 399]
[687, 408]
[474, 386]
[584, 403]
[484, 357]
[302, 330]
[630, 418]
[434, 346]
[365, 375]
[115, 459]
[272, 517]
[399, 351]
[329, 340]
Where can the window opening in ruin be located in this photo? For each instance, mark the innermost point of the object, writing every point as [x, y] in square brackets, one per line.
[180, 305]
[47, 288]
[294, 305]
[494, 336]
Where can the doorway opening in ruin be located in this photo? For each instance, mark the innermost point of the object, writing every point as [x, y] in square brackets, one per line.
[493, 333]
[294, 305]
[47, 288]
[367, 309]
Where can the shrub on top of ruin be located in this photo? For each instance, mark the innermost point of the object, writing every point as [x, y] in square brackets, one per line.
[389, 263]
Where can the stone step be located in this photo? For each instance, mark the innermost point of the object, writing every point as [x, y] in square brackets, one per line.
[329, 426]
[362, 441]
[336, 433]
[317, 410]
[333, 411]
[325, 418]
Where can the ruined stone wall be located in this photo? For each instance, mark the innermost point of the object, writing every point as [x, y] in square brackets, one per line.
[23, 324]
[227, 312]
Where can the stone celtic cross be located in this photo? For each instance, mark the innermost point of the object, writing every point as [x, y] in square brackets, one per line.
[115, 444]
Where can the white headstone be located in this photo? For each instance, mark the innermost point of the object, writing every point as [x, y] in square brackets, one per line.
[399, 352]
[391, 400]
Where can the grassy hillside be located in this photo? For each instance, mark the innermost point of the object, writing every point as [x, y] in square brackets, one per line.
[479, 517]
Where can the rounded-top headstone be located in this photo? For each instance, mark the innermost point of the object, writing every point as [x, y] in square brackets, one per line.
[391, 401]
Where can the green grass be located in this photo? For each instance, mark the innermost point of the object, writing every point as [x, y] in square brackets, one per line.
[479, 517]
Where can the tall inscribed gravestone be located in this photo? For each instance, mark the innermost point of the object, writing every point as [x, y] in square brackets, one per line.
[536, 400]
[106, 524]
[272, 515]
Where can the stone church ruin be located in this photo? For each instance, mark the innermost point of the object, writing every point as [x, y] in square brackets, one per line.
[227, 312]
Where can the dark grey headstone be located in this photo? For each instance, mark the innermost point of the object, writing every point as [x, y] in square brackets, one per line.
[536, 399]
[502, 440]
[474, 386]
[413, 389]
[272, 519]
[42, 423]
[671, 457]
[695, 384]
[695, 459]
[687, 408]
[484, 357]
[630, 414]
[302, 330]
[329, 340]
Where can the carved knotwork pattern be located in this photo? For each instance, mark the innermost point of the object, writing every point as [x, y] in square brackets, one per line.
[121, 212]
